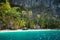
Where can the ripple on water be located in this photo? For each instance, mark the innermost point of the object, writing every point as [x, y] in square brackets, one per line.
[31, 35]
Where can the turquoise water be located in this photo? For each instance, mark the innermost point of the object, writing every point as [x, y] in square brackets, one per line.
[31, 35]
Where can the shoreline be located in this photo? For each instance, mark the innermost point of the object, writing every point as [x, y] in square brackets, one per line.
[20, 30]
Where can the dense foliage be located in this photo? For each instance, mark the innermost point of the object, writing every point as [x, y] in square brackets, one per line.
[15, 18]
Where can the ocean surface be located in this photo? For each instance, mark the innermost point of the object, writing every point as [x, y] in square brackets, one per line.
[31, 35]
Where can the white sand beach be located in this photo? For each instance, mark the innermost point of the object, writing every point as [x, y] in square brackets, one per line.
[20, 30]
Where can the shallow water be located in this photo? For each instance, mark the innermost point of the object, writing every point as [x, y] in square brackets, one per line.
[31, 35]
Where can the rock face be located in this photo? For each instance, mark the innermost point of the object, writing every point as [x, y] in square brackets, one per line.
[53, 5]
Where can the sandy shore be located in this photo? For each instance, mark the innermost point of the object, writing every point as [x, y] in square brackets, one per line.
[20, 30]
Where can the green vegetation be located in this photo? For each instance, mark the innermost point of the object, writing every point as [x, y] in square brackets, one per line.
[15, 18]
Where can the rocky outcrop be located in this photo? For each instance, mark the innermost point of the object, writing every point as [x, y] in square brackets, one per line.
[53, 5]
